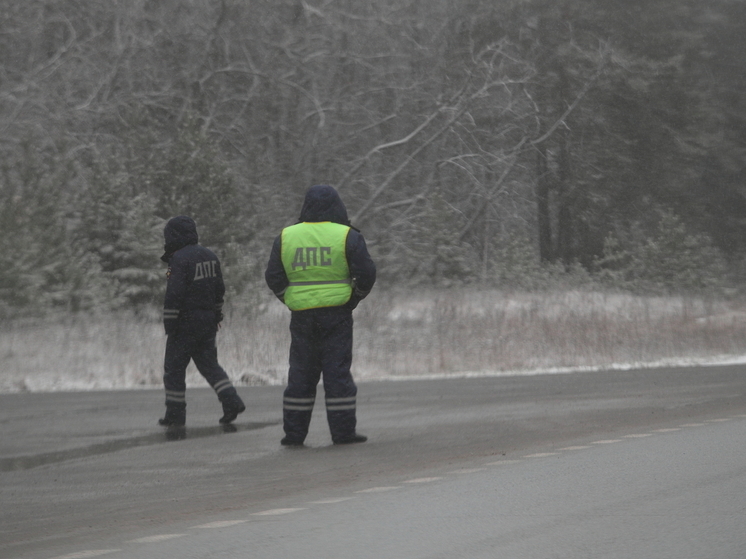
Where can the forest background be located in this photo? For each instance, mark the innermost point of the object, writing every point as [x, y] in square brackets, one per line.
[482, 146]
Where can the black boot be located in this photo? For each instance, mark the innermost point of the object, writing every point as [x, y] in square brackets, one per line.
[286, 441]
[175, 415]
[356, 438]
[232, 406]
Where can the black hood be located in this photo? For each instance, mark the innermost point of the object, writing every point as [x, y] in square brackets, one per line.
[322, 203]
[179, 232]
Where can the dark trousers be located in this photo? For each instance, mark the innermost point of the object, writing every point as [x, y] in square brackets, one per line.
[321, 343]
[192, 341]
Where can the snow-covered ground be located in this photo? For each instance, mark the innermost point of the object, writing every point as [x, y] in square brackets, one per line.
[665, 363]
[426, 335]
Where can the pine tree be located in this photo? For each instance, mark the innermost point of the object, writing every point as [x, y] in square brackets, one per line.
[189, 177]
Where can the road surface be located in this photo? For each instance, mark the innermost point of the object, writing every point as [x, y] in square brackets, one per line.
[648, 463]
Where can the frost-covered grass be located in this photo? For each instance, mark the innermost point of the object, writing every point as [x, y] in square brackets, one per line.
[397, 335]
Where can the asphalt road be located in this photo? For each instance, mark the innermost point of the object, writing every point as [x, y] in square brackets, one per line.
[648, 463]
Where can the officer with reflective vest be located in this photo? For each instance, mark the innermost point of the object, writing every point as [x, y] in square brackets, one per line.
[192, 312]
[320, 268]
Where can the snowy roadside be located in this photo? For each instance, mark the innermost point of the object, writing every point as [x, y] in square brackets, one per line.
[663, 364]
[60, 383]
[427, 335]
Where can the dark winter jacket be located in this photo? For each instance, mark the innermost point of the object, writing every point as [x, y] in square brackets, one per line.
[322, 203]
[195, 289]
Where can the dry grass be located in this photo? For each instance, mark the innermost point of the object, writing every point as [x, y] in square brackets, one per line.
[496, 332]
[400, 335]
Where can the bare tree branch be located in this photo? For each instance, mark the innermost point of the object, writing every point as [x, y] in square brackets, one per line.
[573, 105]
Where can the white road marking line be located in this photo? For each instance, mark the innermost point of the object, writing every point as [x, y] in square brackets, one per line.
[275, 512]
[159, 538]
[540, 455]
[377, 489]
[220, 524]
[330, 501]
[88, 553]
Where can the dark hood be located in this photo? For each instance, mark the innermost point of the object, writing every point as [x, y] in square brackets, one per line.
[179, 232]
[322, 203]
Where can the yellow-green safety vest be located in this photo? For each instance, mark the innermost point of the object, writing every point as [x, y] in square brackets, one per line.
[315, 261]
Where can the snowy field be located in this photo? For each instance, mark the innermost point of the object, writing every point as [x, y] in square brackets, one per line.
[428, 334]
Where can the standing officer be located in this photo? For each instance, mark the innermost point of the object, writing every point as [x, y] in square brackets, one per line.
[320, 268]
[192, 313]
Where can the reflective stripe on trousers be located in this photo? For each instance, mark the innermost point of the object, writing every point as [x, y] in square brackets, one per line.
[222, 385]
[298, 404]
[175, 396]
[341, 404]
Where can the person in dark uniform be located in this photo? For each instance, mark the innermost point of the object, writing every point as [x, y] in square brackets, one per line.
[320, 268]
[192, 313]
